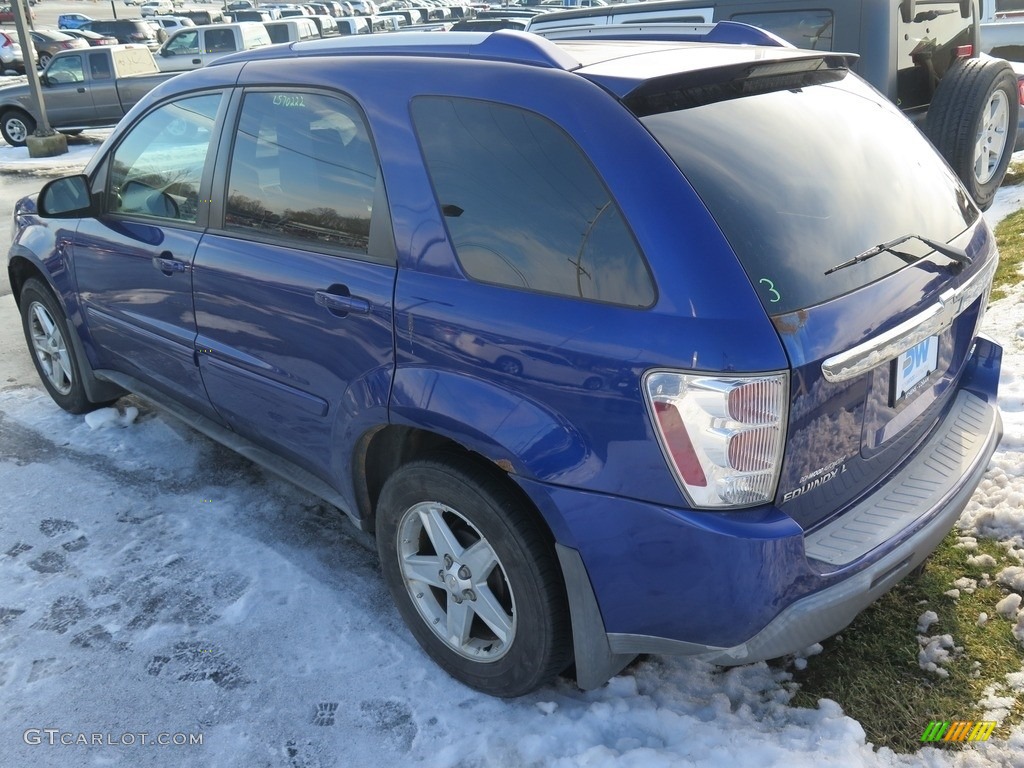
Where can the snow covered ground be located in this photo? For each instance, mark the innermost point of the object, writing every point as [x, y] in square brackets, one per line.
[152, 582]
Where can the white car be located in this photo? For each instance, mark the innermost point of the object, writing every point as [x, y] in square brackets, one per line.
[155, 7]
[174, 23]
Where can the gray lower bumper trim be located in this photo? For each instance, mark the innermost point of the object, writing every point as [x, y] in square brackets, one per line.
[915, 491]
[822, 614]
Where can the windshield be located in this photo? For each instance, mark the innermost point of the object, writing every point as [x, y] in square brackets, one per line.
[801, 180]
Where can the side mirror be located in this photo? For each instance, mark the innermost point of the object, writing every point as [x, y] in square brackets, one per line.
[66, 198]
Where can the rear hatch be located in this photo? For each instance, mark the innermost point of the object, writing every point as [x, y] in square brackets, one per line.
[806, 169]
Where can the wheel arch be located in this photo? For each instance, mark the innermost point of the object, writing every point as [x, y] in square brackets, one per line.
[384, 450]
[24, 266]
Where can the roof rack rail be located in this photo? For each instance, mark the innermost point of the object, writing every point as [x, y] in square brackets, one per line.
[501, 45]
[730, 32]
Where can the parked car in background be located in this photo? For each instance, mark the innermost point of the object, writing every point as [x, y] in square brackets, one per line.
[73, 20]
[155, 8]
[200, 17]
[83, 88]
[127, 31]
[327, 25]
[194, 47]
[925, 57]
[354, 25]
[292, 30]
[1002, 29]
[11, 57]
[488, 25]
[47, 42]
[7, 14]
[742, 400]
[172, 23]
[1018, 71]
[92, 38]
[254, 14]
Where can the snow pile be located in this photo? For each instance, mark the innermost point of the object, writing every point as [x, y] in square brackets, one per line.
[111, 417]
[800, 659]
[1009, 605]
[925, 620]
[936, 651]
[1012, 577]
[982, 561]
[966, 585]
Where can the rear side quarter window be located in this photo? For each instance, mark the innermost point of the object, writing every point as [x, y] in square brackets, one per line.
[524, 207]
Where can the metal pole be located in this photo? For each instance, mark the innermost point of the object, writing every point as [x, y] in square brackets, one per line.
[29, 52]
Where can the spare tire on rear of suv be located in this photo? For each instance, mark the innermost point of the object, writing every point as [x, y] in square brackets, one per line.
[972, 121]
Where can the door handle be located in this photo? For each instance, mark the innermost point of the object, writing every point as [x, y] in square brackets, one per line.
[81, 89]
[342, 304]
[168, 265]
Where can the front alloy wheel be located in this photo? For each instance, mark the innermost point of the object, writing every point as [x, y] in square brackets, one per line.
[50, 349]
[48, 334]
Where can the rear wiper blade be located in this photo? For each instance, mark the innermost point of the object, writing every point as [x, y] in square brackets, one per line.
[950, 252]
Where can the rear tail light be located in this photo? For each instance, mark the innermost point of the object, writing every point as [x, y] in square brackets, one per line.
[964, 51]
[1020, 91]
[723, 437]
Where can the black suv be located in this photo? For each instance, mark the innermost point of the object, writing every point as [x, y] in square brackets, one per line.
[126, 31]
[922, 54]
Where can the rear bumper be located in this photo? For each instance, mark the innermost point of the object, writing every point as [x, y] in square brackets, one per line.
[735, 588]
[822, 614]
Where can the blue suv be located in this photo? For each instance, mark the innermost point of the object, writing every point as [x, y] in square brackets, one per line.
[617, 346]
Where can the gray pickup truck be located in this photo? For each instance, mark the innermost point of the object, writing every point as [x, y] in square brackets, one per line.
[91, 88]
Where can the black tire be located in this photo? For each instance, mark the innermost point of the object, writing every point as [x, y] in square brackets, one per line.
[16, 126]
[509, 365]
[482, 514]
[976, 96]
[53, 353]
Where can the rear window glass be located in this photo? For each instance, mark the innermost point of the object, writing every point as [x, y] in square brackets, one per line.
[801, 180]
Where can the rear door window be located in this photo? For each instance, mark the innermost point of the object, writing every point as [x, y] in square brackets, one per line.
[523, 206]
[303, 169]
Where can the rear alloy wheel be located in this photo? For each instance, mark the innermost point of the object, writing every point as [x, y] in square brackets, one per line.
[44, 59]
[474, 575]
[972, 121]
[16, 127]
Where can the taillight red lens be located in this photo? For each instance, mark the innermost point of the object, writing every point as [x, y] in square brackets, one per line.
[964, 51]
[679, 444]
